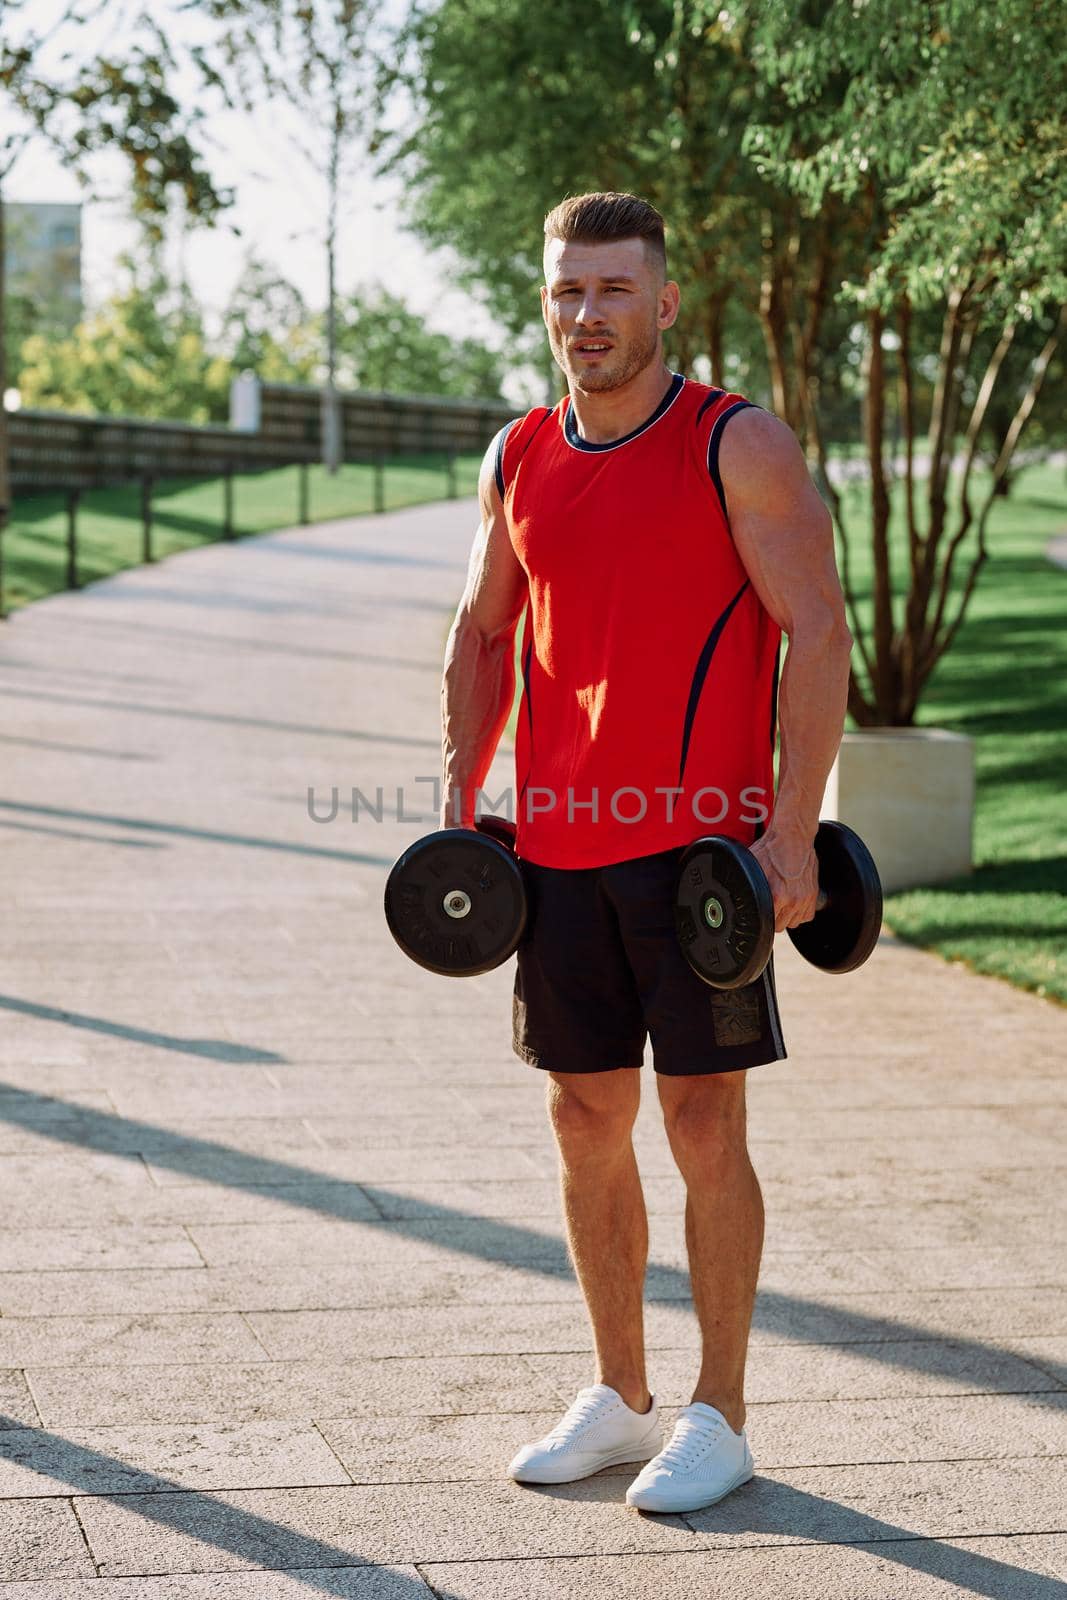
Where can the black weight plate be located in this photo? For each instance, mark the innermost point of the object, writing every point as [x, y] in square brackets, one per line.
[499, 828]
[480, 879]
[720, 882]
[842, 935]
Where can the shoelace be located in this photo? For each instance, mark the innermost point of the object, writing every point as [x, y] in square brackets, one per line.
[689, 1441]
[577, 1415]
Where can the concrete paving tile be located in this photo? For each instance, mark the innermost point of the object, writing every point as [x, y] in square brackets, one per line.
[280, 1391]
[347, 1526]
[971, 1266]
[41, 1184]
[793, 1434]
[933, 1225]
[59, 1249]
[414, 1129]
[1047, 1354]
[62, 1341]
[194, 1202]
[514, 1197]
[853, 1504]
[300, 1100]
[131, 1459]
[344, 1583]
[990, 1152]
[433, 1449]
[483, 1318]
[823, 1372]
[41, 1539]
[425, 1330]
[170, 1141]
[860, 1187]
[904, 1086]
[960, 1428]
[992, 1314]
[913, 1569]
[22, 1106]
[483, 1239]
[16, 1403]
[962, 1267]
[285, 1286]
[387, 1164]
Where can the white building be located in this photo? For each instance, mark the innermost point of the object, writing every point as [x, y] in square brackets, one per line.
[43, 255]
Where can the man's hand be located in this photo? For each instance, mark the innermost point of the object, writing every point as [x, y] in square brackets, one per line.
[793, 874]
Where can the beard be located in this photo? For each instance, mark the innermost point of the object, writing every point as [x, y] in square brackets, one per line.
[622, 363]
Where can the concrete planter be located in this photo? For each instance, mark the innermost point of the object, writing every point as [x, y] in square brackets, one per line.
[909, 794]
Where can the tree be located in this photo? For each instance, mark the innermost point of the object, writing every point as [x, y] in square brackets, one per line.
[143, 353]
[315, 55]
[146, 352]
[936, 125]
[873, 187]
[382, 344]
[268, 329]
[102, 102]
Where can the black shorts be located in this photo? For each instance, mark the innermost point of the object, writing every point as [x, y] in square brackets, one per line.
[599, 966]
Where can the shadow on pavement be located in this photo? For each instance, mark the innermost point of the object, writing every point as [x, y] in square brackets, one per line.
[204, 1518]
[214, 1049]
[888, 1341]
[223, 718]
[179, 830]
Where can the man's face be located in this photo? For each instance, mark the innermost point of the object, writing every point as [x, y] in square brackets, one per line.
[611, 295]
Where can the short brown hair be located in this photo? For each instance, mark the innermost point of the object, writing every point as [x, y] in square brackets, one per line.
[604, 218]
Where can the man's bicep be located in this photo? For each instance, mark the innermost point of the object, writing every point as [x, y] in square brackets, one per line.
[496, 587]
[781, 529]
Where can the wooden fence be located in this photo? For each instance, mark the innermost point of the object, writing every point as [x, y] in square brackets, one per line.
[61, 450]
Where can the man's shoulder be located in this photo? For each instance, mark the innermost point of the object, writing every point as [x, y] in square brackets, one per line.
[706, 402]
[515, 438]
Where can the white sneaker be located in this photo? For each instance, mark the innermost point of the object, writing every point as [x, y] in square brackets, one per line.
[704, 1460]
[598, 1430]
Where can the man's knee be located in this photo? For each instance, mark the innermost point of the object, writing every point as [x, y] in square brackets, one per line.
[704, 1118]
[593, 1111]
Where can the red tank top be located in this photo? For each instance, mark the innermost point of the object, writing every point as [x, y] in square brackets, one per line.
[649, 663]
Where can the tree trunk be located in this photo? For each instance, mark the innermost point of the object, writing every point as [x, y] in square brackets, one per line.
[885, 677]
[716, 343]
[332, 446]
[772, 321]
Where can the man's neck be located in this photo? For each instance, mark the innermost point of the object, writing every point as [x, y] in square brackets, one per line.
[613, 413]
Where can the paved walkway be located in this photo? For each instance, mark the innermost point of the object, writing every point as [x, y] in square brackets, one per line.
[282, 1284]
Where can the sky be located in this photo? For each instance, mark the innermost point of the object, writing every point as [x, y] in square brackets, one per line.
[279, 210]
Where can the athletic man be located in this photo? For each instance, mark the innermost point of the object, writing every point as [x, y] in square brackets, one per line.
[660, 535]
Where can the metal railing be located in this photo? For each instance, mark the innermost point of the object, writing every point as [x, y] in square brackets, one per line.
[73, 496]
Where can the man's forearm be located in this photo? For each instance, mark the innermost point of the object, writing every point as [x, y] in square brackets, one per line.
[811, 716]
[476, 698]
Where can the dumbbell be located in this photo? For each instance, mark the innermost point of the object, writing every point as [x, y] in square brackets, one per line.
[724, 909]
[455, 901]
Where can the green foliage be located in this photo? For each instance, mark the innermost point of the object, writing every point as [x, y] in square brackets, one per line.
[864, 194]
[941, 123]
[112, 102]
[267, 328]
[146, 352]
[382, 344]
[143, 354]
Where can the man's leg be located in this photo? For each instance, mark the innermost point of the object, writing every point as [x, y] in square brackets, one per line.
[592, 1116]
[704, 1116]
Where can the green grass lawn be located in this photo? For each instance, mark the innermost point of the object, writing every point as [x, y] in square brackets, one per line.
[1004, 682]
[186, 513]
